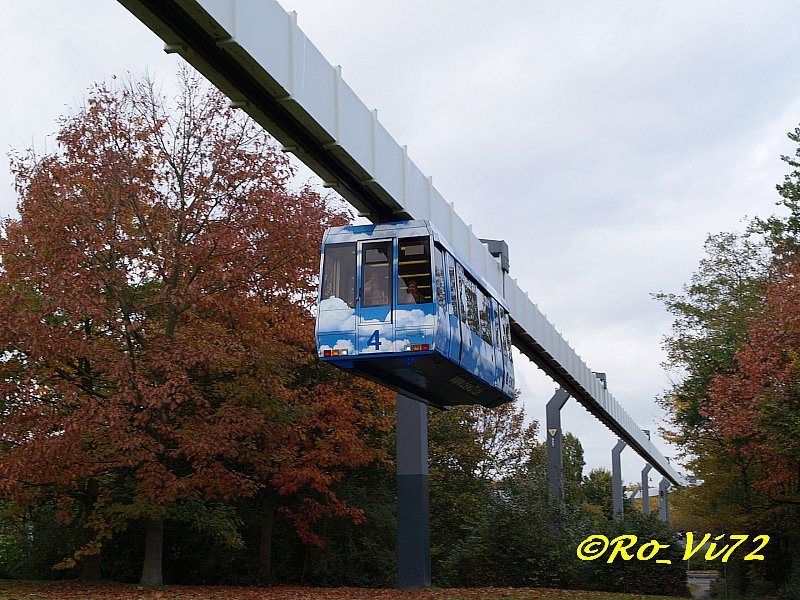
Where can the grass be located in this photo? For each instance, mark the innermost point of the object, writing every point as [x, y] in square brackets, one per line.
[33, 590]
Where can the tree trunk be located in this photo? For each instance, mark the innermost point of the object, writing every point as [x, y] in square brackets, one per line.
[90, 564]
[265, 547]
[90, 568]
[153, 549]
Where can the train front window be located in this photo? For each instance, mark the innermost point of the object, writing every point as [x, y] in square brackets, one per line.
[339, 273]
[376, 268]
[414, 271]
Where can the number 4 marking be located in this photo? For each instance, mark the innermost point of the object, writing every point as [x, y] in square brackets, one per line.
[375, 339]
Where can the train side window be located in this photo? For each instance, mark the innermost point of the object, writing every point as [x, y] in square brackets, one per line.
[339, 273]
[414, 271]
[376, 268]
[451, 269]
[507, 330]
[486, 316]
[438, 266]
[498, 327]
[502, 322]
[469, 307]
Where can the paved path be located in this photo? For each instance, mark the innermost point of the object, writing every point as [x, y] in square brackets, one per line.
[700, 583]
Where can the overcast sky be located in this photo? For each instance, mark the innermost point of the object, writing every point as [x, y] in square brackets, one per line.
[603, 140]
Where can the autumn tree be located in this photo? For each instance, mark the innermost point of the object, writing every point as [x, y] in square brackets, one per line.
[155, 291]
[711, 322]
[757, 406]
[328, 423]
[732, 406]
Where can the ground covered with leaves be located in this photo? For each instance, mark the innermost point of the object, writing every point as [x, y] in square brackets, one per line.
[15, 590]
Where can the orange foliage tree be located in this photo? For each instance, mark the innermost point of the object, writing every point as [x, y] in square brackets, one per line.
[329, 423]
[757, 406]
[156, 291]
[735, 406]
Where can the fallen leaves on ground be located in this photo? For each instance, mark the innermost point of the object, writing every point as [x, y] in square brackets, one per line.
[13, 590]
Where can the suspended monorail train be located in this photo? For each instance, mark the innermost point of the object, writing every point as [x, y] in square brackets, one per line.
[399, 306]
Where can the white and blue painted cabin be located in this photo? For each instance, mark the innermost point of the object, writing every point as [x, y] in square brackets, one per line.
[399, 306]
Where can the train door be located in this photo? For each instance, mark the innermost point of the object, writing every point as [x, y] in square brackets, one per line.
[375, 326]
[415, 312]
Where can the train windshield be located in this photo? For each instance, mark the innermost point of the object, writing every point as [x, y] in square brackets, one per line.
[414, 271]
[339, 273]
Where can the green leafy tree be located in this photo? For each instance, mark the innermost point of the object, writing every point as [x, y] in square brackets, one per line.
[572, 472]
[506, 440]
[457, 493]
[471, 451]
[598, 493]
[783, 232]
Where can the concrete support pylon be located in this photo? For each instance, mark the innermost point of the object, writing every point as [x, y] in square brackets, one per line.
[555, 459]
[413, 505]
[633, 495]
[616, 480]
[663, 491]
[646, 489]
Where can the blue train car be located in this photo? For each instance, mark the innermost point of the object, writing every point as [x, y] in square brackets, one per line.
[399, 306]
